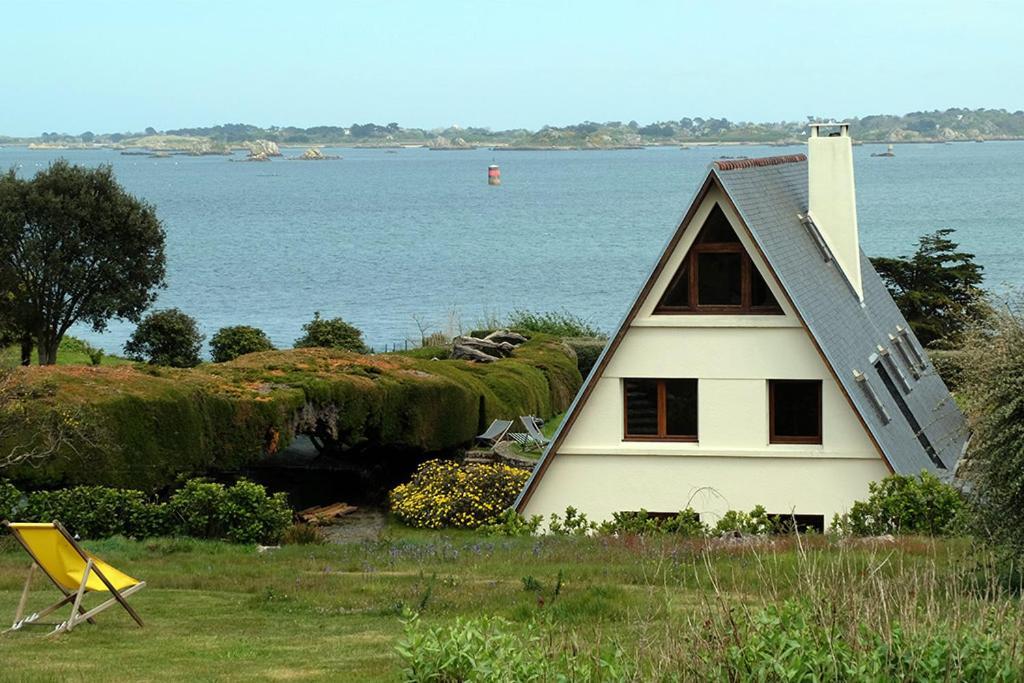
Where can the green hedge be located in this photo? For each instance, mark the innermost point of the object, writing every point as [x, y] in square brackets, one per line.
[151, 425]
[241, 513]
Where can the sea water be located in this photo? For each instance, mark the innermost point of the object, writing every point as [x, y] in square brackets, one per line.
[392, 240]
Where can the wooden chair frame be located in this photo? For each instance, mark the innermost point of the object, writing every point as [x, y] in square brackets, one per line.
[78, 611]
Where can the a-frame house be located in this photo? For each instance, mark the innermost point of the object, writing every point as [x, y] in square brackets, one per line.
[763, 362]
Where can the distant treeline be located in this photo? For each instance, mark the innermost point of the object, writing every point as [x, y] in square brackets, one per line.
[951, 124]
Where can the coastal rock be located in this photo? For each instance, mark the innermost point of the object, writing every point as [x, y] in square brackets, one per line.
[498, 336]
[441, 142]
[258, 156]
[471, 348]
[463, 352]
[314, 154]
[267, 148]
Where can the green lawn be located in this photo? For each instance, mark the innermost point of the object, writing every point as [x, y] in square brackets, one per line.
[72, 351]
[216, 611]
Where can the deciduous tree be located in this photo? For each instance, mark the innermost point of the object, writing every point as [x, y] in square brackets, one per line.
[76, 247]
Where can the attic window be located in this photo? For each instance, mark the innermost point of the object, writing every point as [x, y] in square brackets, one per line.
[915, 426]
[812, 230]
[717, 275]
[872, 396]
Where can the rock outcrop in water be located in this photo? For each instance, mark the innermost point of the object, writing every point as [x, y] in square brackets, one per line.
[314, 154]
[263, 148]
[441, 142]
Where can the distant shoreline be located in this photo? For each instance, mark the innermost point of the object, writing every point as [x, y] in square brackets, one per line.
[144, 150]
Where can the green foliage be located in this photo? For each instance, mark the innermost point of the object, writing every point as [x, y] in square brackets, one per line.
[160, 423]
[795, 642]
[992, 392]
[228, 343]
[75, 247]
[511, 523]
[333, 333]
[98, 512]
[443, 493]
[587, 352]
[757, 522]
[241, 513]
[10, 500]
[555, 323]
[686, 524]
[168, 337]
[901, 504]
[80, 347]
[574, 523]
[937, 288]
[493, 650]
[948, 363]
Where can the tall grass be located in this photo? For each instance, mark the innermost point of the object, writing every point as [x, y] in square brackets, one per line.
[788, 610]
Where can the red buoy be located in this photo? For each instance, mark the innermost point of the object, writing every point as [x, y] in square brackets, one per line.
[493, 175]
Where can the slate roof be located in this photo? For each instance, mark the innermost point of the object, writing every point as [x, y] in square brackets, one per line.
[770, 199]
[770, 195]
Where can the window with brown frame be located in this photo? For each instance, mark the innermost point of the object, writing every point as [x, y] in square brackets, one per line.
[794, 411]
[660, 409]
[717, 276]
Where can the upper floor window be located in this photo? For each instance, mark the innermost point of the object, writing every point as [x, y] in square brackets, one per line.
[660, 409]
[794, 411]
[717, 275]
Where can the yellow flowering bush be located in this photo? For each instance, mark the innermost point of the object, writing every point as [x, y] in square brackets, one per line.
[443, 493]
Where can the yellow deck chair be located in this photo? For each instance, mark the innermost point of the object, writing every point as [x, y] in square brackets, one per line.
[74, 571]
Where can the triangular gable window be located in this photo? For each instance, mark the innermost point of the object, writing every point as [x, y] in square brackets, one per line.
[717, 276]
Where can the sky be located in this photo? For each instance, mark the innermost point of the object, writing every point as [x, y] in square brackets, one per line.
[106, 66]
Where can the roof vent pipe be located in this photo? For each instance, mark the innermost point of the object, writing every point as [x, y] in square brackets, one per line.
[832, 198]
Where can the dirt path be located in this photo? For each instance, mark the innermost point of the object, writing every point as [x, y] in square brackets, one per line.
[365, 524]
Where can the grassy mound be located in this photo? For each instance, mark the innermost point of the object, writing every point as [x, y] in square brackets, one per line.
[150, 425]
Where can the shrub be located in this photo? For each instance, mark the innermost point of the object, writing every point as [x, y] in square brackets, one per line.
[992, 390]
[755, 523]
[908, 505]
[511, 523]
[231, 342]
[242, 513]
[96, 511]
[10, 500]
[556, 323]
[587, 352]
[333, 333]
[168, 337]
[686, 523]
[443, 493]
[575, 523]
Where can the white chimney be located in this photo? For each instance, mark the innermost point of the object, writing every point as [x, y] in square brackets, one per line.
[832, 200]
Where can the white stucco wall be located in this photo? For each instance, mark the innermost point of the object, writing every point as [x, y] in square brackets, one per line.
[732, 466]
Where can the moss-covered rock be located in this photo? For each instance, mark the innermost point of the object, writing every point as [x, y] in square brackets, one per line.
[156, 424]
